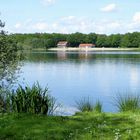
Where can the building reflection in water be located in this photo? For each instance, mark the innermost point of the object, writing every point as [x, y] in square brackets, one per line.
[62, 55]
[85, 55]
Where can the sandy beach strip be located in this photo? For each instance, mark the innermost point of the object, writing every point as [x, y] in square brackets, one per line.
[92, 49]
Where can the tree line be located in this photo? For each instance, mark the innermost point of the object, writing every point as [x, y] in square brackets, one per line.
[46, 40]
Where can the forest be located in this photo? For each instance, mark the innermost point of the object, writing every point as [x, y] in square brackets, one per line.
[50, 40]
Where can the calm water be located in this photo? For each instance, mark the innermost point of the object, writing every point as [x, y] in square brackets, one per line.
[73, 75]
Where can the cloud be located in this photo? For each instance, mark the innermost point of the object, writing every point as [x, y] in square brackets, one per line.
[134, 25]
[47, 2]
[17, 25]
[40, 26]
[71, 24]
[109, 8]
[136, 17]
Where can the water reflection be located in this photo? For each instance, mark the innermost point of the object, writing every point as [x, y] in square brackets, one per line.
[72, 75]
[134, 78]
[62, 55]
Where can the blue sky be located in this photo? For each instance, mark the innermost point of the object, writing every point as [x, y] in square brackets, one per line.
[68, 16]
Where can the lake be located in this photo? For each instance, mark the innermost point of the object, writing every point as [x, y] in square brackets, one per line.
[71, 76]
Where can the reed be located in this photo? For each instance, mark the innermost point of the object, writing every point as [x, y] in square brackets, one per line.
[84, 105]
[98, 107]
[127, 102]
[33, 100]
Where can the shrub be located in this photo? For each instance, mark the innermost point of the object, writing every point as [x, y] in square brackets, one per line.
[84, 105]
[1, 103]
[127, 102]
[98, 107]
[29, 100]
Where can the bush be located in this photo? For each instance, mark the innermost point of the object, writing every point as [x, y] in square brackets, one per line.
[86, 104]
[29, 100]
[127, 102]
[98, 107]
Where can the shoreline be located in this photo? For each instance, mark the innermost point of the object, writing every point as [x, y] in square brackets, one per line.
[94, 49]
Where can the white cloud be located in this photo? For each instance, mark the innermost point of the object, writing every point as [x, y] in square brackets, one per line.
[136, 17]
[40, 26]
[17, 25]
[71, 24]
[134, 25]
[47, 2]
[109, 8]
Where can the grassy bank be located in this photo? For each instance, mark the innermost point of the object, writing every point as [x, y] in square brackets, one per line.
[83, 126]
[27, 114]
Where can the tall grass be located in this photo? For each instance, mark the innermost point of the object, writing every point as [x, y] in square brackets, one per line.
[98, 107]
[1, 103]
[86, 105]
[29, 100]
[127, 102]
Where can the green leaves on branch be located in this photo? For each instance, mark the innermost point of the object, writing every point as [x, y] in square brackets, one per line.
[9, 57]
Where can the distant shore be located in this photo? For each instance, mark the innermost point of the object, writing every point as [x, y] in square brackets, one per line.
[93, 49]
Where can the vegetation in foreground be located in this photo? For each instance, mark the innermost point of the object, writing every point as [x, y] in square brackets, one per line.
[82, 126]
[88, 124]
[24, 116]
[127, 102]
[86, 105]
[34, 100]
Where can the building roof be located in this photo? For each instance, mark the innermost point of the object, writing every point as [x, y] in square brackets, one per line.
[62, 43]
[86, 45]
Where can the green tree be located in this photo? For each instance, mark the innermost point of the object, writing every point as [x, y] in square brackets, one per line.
[135, 39]
[9, 57]
[125, 42]
[91, 38]
[101, 39]
[46, 40]
[75, 39]
[50, 43]
[116, 40]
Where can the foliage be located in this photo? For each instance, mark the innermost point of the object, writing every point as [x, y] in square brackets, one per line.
[98, 107]
[50, 43]
[75, 39]
[33, 100]
[9, 58]
[85, 126]
[46, 40]
[84, 104]
[101, 39]
[127, 102]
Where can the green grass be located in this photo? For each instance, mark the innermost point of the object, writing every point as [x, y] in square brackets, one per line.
[82, 126]
[127, 102]
[86, 105]
[35, 100]
[98, 107]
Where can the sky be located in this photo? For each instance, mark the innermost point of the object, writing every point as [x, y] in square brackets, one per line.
[70, 16]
